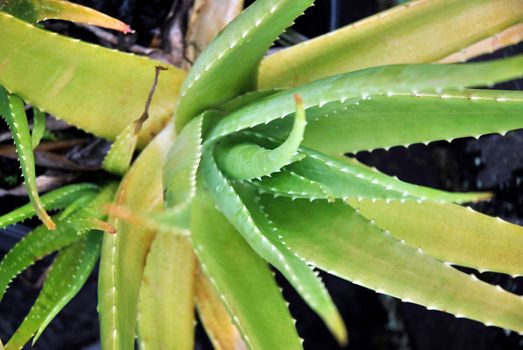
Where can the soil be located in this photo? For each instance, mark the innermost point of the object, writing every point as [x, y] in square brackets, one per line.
[375, 321]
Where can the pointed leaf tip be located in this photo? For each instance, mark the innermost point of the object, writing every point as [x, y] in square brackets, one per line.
[102, 226]
[37, 11]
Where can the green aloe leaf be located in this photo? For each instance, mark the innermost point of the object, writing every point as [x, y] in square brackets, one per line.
[12, 109]
[120, 155]
[245, 99]
[225, 257]
[318, 176]
[57, 199]
[301, 276]
[36, 245]
[235, 202]
[34, 11]
[124, 254]
[346, 179]
[118, 83]
[364, 84]
[245, 160]
[166, 309]
[41, 241]
[183, 159]
[291, 184]
[67, 275]
[403, 119]
[334, 237]
[417, 32]
[464, 237]
[253, 31]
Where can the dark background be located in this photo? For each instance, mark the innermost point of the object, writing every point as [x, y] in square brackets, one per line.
[375, 321]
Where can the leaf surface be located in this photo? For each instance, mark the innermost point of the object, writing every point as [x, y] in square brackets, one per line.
[318, 176]
[117, 82]
[386, 121]
[224, 70]
[337, 239]
[242, 279]
[183, 159]
[464, 237]
[120, 155]
[238, 206]
[124, 254]
[166, 305]
[367, 83]
[417, 32]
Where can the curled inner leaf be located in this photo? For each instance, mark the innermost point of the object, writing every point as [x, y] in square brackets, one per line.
[245, 161]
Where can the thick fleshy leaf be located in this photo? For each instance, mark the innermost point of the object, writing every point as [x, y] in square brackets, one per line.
[364, 84]
[183, 159]
[302, 277]
[318, 176]
[243, 100]
[224, 70]
[417, 32]
[347, 179]
[12, 109]
[215, 318]
[225, 257]
[244, 160]
[57, 199]
[123, 255]
[451, 233]
[42, 241]
[403, 119]
[40, 10]
[118, 83]
[238, 205]
[334, 237]
[120, 155]
[166, 307]
[36, 245]
[67, 275]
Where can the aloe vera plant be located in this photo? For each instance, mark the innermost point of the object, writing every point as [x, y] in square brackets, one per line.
[242, 167]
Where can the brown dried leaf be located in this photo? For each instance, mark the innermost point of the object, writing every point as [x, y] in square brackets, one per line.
[207, 18]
